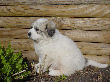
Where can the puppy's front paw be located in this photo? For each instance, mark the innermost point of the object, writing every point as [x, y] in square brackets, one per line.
[37, 67]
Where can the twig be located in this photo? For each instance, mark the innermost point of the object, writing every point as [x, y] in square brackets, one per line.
[19, 72]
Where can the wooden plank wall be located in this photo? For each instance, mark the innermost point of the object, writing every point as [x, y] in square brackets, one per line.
[87, 22]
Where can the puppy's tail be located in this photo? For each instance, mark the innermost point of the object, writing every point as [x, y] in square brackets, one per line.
[96, 64]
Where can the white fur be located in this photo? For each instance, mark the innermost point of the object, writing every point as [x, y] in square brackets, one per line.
[59, 52]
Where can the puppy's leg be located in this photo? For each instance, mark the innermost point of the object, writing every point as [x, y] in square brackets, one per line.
[37, 67]
[41, 66]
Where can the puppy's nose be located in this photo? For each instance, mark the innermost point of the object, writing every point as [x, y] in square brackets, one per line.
[29, 34]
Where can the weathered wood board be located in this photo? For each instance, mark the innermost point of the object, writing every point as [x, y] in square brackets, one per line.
[76, 35]
[92, 24]
[101, 59]
[56, 10]
[88, 36]
[52, 2]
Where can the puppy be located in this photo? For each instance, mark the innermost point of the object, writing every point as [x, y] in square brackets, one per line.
[57, 52]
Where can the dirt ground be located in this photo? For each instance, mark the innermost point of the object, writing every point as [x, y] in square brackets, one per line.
[88, 74]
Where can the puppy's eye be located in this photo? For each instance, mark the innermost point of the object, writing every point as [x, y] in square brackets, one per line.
[36, 29]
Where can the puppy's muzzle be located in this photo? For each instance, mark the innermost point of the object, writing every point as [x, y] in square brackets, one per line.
[29, 34]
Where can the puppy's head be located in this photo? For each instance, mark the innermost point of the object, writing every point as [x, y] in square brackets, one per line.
[41, 28]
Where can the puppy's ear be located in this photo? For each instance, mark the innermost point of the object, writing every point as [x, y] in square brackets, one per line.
[50, 28]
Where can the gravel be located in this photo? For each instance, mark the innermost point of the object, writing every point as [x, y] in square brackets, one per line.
[88, 74]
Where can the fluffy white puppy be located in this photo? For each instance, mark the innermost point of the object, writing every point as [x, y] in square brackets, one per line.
[57, 52]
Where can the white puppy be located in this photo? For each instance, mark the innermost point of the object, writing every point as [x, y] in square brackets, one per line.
[57, 52]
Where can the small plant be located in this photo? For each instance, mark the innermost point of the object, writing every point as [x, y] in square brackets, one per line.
[61, 78]
[12, 65]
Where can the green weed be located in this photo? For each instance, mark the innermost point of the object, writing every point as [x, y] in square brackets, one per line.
[12, 65]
